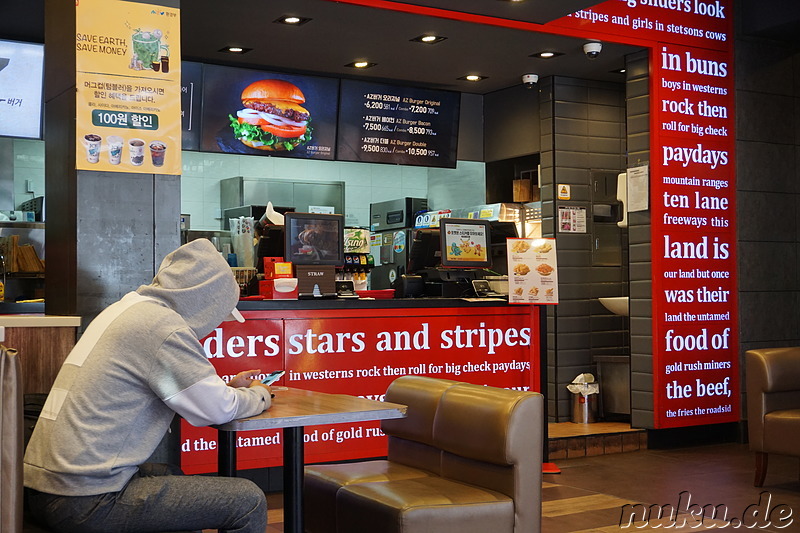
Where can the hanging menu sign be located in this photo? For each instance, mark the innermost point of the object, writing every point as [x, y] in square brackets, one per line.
[402, 125]
[128, 80]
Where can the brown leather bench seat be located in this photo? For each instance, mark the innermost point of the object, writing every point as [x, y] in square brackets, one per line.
[466, 458]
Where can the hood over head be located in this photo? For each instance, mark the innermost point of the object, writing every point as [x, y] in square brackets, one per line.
[198, 284]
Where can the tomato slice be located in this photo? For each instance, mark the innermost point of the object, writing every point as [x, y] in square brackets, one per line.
[256, 121]
[285, 131]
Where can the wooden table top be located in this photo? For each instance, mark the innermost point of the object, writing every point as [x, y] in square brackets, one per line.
[297, 407]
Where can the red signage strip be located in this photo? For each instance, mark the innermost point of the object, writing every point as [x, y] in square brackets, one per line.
[692, 199]
[361, 354]
[693, 217]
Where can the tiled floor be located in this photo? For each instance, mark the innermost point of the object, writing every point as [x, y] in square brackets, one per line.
[590, 493]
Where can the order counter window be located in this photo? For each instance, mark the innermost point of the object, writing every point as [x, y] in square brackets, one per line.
[304, 317]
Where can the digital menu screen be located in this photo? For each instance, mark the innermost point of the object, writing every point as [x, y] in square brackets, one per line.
[401, 125]
[191, 103]
[21, 67]
[254, 112]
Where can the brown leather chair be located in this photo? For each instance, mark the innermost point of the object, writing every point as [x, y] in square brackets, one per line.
[11, 442]
[773, 404]
[488, 442]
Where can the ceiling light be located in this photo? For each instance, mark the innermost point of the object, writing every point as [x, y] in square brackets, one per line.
[361, 64]
[619, 71]
[235, 50]
[546, 54]
[472, 77]
[428, 39]
[291, 20]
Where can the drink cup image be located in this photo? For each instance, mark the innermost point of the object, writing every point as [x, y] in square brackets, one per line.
[136, 151]
[157, 149]
[92, 142]
[114, 149]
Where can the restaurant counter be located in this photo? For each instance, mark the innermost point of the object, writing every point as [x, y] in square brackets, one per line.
[42, 342]
[358, 347]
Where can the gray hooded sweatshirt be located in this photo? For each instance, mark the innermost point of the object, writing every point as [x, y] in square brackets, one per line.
[136, 365]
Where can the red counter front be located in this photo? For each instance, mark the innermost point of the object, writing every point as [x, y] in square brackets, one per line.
[359, 348]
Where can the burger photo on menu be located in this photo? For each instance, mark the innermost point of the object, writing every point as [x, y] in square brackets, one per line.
[255, 112]
[273, 117]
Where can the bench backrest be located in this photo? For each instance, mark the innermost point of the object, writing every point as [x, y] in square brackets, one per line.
[483, 436]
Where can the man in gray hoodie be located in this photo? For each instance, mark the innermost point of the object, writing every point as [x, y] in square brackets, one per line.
[136, 365]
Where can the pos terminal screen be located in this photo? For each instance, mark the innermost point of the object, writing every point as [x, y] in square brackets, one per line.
[465, 243]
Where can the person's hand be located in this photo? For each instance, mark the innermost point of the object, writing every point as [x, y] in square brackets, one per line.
[245, 378]
[256, 383]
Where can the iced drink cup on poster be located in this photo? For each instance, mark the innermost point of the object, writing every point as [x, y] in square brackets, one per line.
[136, 151]
[114, 149]
[157, 149]
[92, 142]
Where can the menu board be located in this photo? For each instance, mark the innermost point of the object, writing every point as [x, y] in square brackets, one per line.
[21, 89]
[533, 272]
[248, 111]
[128, 75]
[191, 103]
[401, 125]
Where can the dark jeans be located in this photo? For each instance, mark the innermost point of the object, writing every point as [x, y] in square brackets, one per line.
[158, 499]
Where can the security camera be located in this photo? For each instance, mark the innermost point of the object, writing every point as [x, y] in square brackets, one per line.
[530, 80]
[592, 49]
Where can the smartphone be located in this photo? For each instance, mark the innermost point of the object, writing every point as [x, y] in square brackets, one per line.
[272, 377]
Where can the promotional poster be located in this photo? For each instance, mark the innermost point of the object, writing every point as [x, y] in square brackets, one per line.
[128, 79]
[533, 268]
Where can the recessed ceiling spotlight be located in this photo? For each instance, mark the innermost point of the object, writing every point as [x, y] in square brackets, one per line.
[546, 54]
[619, 71]
[235, 50]
[361, 64]
[428, 39]
[291, 20]
[472, 77]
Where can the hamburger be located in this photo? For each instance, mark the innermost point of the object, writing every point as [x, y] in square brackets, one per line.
[272, 118]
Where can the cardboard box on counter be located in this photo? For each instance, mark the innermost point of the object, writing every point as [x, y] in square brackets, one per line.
[276, 267]
[278, 289]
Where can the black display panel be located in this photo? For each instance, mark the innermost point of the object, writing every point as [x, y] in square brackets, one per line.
[314, 239]
[381, 123]
[191, 103]
[274, 121]
[21, 74]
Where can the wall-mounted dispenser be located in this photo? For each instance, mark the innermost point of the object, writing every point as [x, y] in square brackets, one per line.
[622, 196]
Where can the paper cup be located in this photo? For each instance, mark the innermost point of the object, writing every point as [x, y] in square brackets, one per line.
[92, 141]
[136, 151]
[115, 149]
